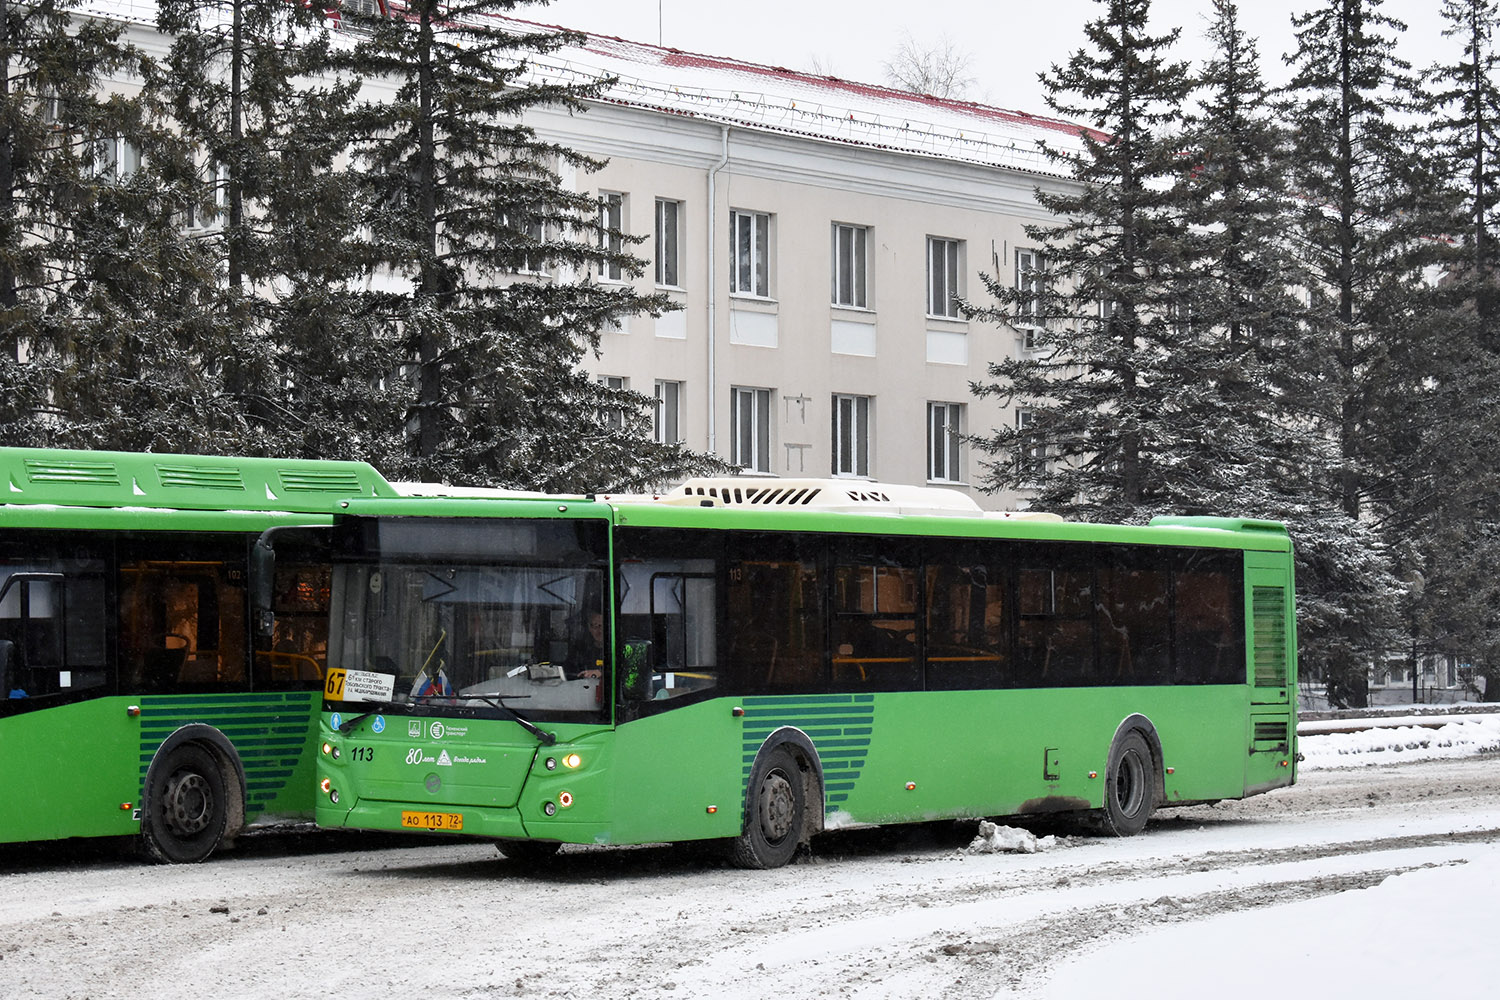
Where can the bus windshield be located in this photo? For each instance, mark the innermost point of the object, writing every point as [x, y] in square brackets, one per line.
[516, 619]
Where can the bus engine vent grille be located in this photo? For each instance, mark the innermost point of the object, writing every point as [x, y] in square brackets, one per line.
[1269, 610]
[333, 481]
[1270, 732]
[779, 496]
[74, 473]
[200, 477]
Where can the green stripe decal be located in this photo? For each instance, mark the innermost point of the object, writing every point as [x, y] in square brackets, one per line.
[839, 726]
[270, 731]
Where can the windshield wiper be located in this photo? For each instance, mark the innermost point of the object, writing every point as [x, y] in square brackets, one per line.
[347, 726]
[494, 701]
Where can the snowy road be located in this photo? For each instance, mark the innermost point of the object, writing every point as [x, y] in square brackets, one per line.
[888, 914]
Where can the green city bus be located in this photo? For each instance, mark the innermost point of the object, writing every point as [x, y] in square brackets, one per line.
[137, 697]
[757, 661]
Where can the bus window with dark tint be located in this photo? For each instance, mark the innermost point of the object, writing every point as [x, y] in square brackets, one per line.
[874, 636]
[52, 620]
[667, 585]
[1055, 632]
[774, 598]
[1210, 611]
[966, 641]
[1134, 617]
[182, 617]
[299, 645]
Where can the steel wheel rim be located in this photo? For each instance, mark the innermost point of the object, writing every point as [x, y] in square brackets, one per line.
[777, 807]
[188, 803]
[1130, 784]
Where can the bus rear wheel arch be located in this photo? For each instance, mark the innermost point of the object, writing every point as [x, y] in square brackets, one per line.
[775, 812]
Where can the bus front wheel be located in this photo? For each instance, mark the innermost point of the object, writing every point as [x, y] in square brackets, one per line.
[186, 806]
[1129, 796]
[774, 810]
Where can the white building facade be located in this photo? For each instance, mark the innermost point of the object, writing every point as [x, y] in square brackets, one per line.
[815, 234]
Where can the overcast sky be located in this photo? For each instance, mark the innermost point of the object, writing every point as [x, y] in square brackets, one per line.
[1009, 41]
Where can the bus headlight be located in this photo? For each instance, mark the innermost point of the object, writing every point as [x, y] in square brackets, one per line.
[572, 760]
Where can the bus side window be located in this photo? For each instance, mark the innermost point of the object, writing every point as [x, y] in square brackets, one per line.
[299, 645]
[777, 643]
[875, 626]
[966, 641]
[1209, 639]
[52, 617]
[182, 618]
[1055, 636]
[668, 616]
[1133, 617]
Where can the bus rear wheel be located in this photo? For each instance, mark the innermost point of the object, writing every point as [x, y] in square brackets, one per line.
[1129, 792]
[186, 806]
[774, 810]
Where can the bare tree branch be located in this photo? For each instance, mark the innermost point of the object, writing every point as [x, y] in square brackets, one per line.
[941, 69]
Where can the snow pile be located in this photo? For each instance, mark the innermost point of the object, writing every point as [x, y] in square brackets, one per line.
[1463, 737]
[994, 838]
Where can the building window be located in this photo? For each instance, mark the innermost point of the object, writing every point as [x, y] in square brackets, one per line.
[535, 262]
[944, 258]
[1031, 452]
[750, 253]
[666, 423]
[850, 266]
[1030, 285]
[944, 435]
[611, 219]
[751, 419]
[851, 435]
[614, 416]
[116, 159]
[668, 232]
[1104, 303]
[216, 177]
[527, 233]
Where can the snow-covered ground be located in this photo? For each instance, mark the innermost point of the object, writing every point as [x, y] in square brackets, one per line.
[1378, 875]
[1419, 932]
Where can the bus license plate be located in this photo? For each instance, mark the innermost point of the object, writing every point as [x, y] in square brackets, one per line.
[432, 821]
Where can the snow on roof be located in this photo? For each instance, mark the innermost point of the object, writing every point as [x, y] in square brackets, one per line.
[827, 108]
[771, 98]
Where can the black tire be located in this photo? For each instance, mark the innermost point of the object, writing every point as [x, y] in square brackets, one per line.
[186, 806]
[775, 807]
[530, 852]
[1129, 787]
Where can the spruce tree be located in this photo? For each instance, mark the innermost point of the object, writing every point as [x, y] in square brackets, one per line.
[1099, 445]
[463, 196]
[1448, 506]
[51, 119]
[1367, 197]
[1259, 437]
[99, 342]
[1246, 367]
[250, 86]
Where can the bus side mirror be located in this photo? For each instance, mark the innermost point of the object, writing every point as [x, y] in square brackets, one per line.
[263, 585]
[635, 662]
